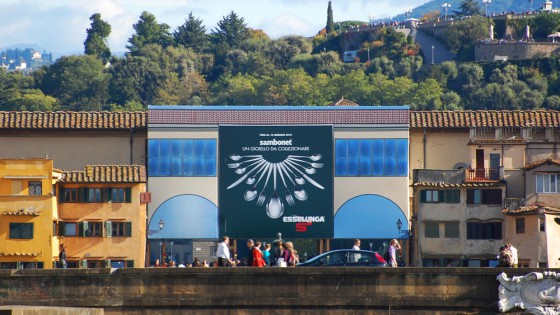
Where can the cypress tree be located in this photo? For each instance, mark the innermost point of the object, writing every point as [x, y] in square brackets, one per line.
[330, 22]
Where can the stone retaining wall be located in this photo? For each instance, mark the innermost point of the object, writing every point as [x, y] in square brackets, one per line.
[259, 290]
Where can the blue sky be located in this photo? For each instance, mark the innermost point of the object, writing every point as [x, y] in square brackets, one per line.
[60, 25]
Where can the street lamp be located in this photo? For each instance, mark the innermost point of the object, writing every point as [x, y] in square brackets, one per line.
[446, 7]
[305, 256]
[399, 225]
[370, 246]
[531, 8]
[486, 3]
[171, 243]
[161, 224]
[433, 48]
[370, 18]
[368, 60]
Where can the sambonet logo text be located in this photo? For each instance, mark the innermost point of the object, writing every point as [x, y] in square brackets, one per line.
[276, 142]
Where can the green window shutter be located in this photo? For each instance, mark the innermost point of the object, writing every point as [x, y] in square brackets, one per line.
[105, 195]
[81, 229]
[83, 264]
[441, 196]
[130, 264]
[61, 195]
[108, 263]
[108, 229]
[128, 195]
[128, 229]
[422, 196]
[61, 229]
[82, 195]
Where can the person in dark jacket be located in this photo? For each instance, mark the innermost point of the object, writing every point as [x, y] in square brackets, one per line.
[250, 244]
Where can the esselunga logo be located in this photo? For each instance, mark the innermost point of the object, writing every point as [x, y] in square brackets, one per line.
[302, 223]
[297, 218]
[275, 142]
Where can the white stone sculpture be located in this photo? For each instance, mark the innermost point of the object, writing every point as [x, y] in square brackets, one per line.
[537, 292]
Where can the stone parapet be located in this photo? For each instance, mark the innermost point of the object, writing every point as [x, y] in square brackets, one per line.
[259, 290]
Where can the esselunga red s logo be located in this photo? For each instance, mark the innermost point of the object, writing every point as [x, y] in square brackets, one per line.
[302, 226]
[302, 223]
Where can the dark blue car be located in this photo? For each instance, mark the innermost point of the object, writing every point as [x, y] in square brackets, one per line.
[346, 258]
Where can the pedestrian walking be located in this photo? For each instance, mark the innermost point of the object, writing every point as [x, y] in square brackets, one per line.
[222, 253]
[394, 246]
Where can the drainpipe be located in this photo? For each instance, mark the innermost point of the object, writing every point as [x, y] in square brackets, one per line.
[131, 145]
[424, 147]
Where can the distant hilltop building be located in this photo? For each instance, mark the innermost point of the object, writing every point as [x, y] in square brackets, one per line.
[24, 59]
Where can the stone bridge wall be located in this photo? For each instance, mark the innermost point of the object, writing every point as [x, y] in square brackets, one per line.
[515, 51]
[259, 290]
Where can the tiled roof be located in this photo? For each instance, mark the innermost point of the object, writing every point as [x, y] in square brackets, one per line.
[107, 174]
[72, 120]
[343, 102]
[29, 254]
[484, 118]
[540, 163]
[534, 208]
[461, 185]
[278, 115]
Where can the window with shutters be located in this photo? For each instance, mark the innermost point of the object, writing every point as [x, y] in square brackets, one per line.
[35, 188]
[484, 196]
[90, 229]
[431, 229]
[452, 196]
[69, 195]
[121, 229]
[116, 195]
[484, 230]
[431, 196]
[21, 230]
[451, 229]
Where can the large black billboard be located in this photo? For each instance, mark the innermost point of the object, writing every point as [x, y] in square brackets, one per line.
[276, 179]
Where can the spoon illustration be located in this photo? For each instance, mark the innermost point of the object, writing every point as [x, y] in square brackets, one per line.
[313, 164]
[275, 207]
[251, 193]
[308, 170]
[299, 180]
[236, 165]
[237, 157]
[300, 194]
[314, 157]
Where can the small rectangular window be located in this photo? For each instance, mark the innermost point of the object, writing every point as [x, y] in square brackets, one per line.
[68, 229]
[117, 229]
[542, 225]
[452, 196]
[21, 230]
[451, 229]
[35, 188]
[116, 195]
[432, 229]
[431, 196]
[547, 183]
[91, 229]
[70, 195]
[520, 225]
[93, 195]
[484, 230]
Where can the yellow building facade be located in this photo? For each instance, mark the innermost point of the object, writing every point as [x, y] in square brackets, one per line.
[28, 212]
[102, 219]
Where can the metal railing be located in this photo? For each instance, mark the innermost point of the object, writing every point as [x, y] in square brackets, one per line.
[482, 174]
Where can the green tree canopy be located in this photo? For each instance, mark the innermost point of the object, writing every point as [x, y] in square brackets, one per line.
[78, 82]
[231, 32]
[330, 21]
[469, 7]
[96, 40]
[192, 34]
[148, 31]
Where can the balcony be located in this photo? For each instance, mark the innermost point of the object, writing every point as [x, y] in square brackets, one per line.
[483, 174]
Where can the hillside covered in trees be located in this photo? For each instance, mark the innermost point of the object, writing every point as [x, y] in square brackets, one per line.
[232, 64]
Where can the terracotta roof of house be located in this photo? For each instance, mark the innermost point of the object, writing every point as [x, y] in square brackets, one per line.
[72, 120]
[343, 102]
[541, 162]
[484, 118]
[461, 185]
[29, 254]
[532, 209]
[107, 174]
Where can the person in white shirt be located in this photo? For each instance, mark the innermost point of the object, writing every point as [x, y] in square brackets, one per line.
[356, 246]
[514, 257]
[222, 253]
